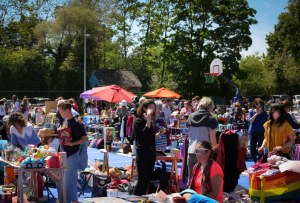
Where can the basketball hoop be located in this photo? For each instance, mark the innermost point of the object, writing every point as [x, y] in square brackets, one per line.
[215, 69]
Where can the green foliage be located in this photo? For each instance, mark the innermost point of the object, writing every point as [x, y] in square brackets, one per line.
[283, 52]
[205, 30]
[255, 79]
[165, 42]
[23, 70]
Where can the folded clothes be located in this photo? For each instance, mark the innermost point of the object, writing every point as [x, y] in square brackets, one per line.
[276, 160]
[271, 172]
[258, 167]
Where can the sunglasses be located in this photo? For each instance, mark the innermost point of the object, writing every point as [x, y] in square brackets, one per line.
[201, 151]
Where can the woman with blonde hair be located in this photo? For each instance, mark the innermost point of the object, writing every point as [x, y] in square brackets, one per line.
[202, 127]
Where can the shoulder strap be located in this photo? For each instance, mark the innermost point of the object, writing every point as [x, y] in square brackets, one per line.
[270, 133]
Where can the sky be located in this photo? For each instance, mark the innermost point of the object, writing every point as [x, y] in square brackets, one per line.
[267, 12]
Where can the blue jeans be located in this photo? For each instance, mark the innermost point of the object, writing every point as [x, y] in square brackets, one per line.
[256, 141]
[71, 177]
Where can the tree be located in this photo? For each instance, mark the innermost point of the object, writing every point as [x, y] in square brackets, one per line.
[283, 52]
[254, 78]
[61, 39]
[286, 36]
[23, 70]
[204, 30]
[127, 13]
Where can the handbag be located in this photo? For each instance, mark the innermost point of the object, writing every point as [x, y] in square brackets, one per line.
[127, 187]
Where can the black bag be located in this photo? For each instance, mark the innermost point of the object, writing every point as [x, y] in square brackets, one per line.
[127, 187]
[100, 185]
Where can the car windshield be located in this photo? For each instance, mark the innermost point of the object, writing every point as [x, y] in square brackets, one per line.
[297, 97]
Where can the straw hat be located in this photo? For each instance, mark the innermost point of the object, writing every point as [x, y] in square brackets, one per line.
[46, 132]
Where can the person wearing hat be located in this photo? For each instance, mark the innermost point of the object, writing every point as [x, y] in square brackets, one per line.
[51, 141]
[4, 129]
[190, 196]
[122, 109]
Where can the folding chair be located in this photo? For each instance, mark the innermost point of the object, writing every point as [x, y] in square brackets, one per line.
[84, 181]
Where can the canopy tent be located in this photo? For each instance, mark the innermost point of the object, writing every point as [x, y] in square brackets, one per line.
[111, 93]
[162, 93]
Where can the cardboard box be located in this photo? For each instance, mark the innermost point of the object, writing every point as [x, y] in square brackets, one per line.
[52, 162]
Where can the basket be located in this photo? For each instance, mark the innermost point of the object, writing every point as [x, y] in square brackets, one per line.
[284, 186]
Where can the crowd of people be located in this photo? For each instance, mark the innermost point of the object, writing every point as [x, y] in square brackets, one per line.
[17, 127]
[271, 131]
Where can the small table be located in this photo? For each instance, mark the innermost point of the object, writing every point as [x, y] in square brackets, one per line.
[174, 169]
[33, 172]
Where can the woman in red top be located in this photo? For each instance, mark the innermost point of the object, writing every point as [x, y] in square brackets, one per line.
[207, 176]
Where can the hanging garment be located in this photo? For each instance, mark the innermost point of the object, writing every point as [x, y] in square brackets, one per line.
[129, 126]
[230, 159]
[184, 172]
[123, 128]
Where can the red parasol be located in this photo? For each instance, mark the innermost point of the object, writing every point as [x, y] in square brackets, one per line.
[111, 93]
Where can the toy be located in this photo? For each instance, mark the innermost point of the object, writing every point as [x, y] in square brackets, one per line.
[31, 163]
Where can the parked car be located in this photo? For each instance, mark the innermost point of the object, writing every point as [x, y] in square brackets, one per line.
[296, 100]
[38, 101]
[263, 97]
[276, 98]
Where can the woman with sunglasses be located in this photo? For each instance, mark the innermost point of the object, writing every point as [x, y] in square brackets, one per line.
[279, 135]
[207, 176]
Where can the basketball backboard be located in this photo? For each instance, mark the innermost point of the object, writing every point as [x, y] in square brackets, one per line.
[216, 67]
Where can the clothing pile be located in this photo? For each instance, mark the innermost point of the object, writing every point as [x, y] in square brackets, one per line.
[239, 195]
[269, 168]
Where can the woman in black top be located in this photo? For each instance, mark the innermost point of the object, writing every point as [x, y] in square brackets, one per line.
[145, 145]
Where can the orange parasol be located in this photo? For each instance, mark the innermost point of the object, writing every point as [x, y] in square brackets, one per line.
[162, 93]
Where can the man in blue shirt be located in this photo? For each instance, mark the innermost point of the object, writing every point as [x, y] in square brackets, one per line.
[257, 119]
